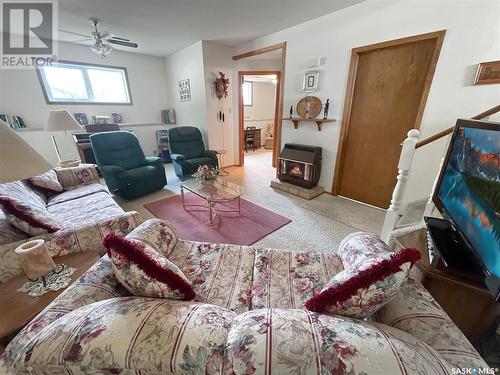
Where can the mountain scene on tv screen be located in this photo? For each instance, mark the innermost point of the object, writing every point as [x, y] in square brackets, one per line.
[470, 191]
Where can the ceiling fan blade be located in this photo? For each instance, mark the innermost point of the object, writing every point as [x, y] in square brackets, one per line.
[118, 38]
[122, 43]
[81, 40]
[73, 33]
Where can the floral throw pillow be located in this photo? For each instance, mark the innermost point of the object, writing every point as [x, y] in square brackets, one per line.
[359, 292]
[145, 272]
[360, 246]
[25, 210]
[156, 233]
[47, 183]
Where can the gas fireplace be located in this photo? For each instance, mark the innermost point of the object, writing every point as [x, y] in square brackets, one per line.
[300, 165]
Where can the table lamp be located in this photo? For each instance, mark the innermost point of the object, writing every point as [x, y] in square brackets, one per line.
[58, 121]
[18, 160]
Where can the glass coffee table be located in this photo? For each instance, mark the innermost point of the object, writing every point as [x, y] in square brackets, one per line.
[220, 192]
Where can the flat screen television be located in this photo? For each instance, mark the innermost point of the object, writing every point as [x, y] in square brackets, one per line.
[468, 193]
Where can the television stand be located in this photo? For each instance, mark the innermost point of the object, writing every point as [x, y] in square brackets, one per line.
[464, 298]
[451, 251]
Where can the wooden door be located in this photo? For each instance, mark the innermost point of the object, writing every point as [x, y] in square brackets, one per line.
[387, 89]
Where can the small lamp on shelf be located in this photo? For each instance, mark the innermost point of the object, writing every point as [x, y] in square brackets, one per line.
[59, 121]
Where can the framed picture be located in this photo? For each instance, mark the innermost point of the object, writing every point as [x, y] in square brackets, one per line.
[117, 118]
[81, 118]
[488, 72]
[184, 90]
[311, 81]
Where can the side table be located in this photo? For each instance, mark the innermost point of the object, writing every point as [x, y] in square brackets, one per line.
[220, 154]
[18, 308]
[465, 300]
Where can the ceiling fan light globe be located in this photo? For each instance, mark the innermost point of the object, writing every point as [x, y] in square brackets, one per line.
[101, 48]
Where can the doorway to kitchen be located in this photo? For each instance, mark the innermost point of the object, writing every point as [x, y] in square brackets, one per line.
[258, 106]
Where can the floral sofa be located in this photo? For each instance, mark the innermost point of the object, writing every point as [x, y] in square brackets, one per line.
[84, 208]
[248, 319]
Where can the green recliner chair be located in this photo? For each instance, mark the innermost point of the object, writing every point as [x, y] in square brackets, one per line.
[127, 172]
[187, 151]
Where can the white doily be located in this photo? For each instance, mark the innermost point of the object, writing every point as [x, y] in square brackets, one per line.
[53, 281]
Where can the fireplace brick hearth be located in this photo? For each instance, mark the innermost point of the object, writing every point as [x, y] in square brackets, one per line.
[297, 190]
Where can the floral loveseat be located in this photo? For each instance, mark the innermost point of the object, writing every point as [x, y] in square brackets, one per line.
[248, 319]
[84, 209]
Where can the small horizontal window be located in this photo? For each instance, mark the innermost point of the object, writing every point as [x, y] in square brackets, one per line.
[73, 83]
[247, 93]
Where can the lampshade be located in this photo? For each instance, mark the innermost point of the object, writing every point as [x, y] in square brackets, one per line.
[18, 160]
[61, 120]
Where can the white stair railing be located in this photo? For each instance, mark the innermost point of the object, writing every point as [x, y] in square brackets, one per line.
[410, 145]
[404, 167]
[429, 207]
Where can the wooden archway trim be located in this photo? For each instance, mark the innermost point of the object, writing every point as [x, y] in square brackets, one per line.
[259, 51]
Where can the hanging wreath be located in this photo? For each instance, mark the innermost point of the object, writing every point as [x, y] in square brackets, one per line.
[221, 86]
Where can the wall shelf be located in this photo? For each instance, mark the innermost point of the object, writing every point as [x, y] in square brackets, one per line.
[319, 121]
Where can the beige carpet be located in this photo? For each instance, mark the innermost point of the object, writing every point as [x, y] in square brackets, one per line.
[356, 215]
[308, 230]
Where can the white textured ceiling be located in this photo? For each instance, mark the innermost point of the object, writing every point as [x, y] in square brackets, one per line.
[161, 27]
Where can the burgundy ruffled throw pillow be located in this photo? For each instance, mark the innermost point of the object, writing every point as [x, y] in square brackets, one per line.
[359, 292]
[144, 271]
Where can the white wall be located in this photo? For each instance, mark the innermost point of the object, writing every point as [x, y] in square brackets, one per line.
[259, 63]
[220, 134]
[473, 36]
[187, 63]
[201, 63]
[261, 112]
[21, 94]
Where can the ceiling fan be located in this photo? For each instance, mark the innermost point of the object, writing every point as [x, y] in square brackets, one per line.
[102, 40]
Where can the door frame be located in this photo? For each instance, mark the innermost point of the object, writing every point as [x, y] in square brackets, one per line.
[279, 104]
[241, 108]
[351, 80]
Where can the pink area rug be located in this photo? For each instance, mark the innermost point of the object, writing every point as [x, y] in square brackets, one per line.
[192, 223]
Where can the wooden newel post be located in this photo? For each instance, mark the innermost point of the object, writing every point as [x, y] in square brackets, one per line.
[404, 167]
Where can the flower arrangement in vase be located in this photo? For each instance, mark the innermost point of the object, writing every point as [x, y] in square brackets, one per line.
[206, 174]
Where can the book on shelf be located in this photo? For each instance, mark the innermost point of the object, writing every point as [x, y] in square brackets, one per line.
[14, 122]
[168, 116]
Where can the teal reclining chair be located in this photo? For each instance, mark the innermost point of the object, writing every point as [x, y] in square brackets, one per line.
[127, 172]
[187, 151]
